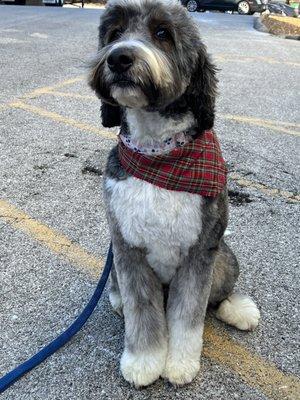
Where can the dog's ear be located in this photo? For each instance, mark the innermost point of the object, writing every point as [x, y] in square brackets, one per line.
[202, 91]
[111, 115]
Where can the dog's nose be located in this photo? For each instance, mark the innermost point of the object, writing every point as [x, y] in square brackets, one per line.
[119, 60]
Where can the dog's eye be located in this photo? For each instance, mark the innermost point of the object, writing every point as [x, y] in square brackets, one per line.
[162, 34]
[116, 34]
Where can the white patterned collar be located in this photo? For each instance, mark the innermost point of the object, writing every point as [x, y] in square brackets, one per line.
[157, 147]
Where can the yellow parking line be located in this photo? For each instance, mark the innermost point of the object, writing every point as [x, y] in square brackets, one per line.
[263, 123]
[4, 106]
[60, 118]
[72, 95]
[218, 346]
[269, 191]
[54, 240]
[269, 124]
[254, 370]
[269, 60]
[44, 90]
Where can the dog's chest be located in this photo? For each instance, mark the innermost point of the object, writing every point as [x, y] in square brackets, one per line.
[164, 222]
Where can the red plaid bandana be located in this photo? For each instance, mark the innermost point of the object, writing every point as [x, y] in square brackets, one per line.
[197, 167]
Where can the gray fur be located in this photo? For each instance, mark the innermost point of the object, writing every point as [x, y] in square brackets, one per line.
[225, 274]
[141, 293]
[193, 85]
[190, 288]
[208, 272]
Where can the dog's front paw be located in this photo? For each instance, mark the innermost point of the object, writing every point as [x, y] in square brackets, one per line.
[181, 371]
[143, 368]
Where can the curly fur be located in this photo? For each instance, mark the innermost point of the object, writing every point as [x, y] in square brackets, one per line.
[170, 257]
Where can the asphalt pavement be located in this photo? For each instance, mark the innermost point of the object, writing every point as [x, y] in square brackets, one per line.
[52, 222]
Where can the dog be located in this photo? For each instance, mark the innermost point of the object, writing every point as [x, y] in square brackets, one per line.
[157, 82]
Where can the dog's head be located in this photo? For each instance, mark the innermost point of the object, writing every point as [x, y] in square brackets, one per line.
[151, 56]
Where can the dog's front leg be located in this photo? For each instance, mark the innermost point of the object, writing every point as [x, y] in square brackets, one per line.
[145, 351]
[188, 297]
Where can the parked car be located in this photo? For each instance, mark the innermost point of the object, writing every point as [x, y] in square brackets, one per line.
[241, 6]
[282, 8]
[15, 2]
[57, 3]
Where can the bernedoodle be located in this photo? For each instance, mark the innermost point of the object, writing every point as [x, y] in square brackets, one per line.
[165, 189]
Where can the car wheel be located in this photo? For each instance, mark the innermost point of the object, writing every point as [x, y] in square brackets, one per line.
[243, 7]
[192, 5]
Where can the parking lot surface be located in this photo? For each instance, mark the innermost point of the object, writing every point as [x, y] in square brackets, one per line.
[54, 235]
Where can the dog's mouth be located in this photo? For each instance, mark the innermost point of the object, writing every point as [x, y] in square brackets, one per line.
[128, 93]
[123, 82]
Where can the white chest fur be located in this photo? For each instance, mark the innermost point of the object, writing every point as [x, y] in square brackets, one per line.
[164, 222]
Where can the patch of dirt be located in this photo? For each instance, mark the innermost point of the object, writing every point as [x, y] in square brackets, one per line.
[93, 165]
[41, 168]
[92, 169]
[237, 198]
[70, 155]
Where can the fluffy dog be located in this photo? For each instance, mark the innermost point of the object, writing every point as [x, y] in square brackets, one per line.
[155, 80]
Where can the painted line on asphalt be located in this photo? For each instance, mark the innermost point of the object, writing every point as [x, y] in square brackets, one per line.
[3, 106]
[218, 346]
[268, 124]
[50, 238]
[240, 180]
[250, 367]
[72, 95]
[269, 191]
[60, 118]
[44, 90]
[269, 60]
[51, 90]
[265, 123]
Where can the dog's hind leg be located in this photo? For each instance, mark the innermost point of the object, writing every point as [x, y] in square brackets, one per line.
[235, 309]
[225, 274]
[114, 292]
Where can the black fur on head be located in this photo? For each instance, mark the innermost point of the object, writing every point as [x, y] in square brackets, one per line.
[172, 74]
[202, 91]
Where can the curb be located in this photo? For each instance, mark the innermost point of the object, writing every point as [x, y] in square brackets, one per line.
[258, 25]
[293, 37]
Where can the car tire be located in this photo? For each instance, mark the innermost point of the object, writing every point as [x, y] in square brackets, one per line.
[192, 5]
[244, 7]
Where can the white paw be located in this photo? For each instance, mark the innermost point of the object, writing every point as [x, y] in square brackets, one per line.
[116, 302]
[142, 369]
[227, 233]
[181, 371]
[239, 311]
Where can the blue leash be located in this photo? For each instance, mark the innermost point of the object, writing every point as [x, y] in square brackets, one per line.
[11, 377]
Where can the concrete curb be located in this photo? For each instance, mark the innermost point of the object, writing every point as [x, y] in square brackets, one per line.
[260, 26]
